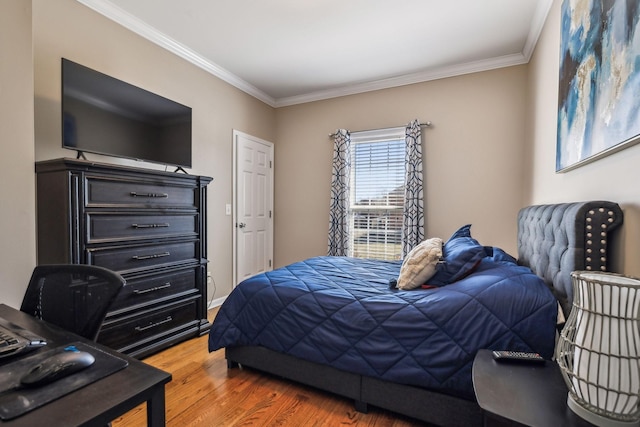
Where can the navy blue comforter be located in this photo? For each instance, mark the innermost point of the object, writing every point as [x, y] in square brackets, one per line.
[340, 312]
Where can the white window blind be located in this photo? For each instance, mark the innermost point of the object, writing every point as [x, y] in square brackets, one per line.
[377, 193]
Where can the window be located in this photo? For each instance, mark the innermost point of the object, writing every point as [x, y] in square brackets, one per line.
[377, 193]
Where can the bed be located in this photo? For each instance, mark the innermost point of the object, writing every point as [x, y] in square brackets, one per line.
[335, 323]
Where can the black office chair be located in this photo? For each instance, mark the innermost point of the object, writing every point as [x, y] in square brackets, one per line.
[75, 297]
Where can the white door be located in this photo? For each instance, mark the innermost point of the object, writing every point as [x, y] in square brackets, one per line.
[253, 202]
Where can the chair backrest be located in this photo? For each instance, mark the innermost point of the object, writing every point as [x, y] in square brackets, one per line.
[75, 297]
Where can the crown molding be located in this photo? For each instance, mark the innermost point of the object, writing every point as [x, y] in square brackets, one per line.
[537, 24]
[109, 10]
[539, 19]
[408, 79]
[130, 22]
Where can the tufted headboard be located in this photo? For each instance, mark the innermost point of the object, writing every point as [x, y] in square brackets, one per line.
[554, 240]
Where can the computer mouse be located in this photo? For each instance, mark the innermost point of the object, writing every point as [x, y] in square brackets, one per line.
[60, 365]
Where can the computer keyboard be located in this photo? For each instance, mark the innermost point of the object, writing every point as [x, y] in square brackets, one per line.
[16, 340]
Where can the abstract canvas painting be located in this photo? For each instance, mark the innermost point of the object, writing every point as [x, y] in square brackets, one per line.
[599, 91]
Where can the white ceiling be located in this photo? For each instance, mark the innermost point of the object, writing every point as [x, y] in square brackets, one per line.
[286, 52]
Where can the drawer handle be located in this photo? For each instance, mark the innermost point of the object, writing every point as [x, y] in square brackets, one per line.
[146, 291]
[149, 195]
[145, 257]
[150, 225]
[153, 325]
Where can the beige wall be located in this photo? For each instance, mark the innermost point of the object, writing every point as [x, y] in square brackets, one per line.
[17, 204]
[490, 152]
[612, 178]
[474, 156]
[68, 29]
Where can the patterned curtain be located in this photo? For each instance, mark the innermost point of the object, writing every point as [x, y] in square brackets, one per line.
[413, 215]
[338, 220]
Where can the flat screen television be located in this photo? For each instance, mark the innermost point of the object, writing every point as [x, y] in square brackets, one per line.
[104, 115]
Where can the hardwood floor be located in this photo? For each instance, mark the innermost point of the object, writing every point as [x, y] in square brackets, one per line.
[203, 392]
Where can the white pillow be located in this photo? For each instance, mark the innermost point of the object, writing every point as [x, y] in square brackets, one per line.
[420, 264]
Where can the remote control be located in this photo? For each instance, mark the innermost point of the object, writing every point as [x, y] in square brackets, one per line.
[517, 356]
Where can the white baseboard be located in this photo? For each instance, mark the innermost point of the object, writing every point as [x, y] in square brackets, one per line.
[216, 302]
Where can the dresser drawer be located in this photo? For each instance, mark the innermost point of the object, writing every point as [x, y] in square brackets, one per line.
[148, 325]
[140, 257]
[142, 291]
[104, 191]
[106, 227]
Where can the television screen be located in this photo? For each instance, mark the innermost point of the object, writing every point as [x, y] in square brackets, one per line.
[104, 115]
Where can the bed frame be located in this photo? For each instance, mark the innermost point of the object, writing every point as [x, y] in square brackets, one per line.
[553, 240]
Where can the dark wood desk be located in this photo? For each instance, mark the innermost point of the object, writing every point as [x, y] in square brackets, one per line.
[98, 403]
[522, 394]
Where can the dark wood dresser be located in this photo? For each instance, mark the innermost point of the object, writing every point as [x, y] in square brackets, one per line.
[148, 225]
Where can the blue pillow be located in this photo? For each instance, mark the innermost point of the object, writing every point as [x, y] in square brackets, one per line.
[464, 231]
[461, 255]
[500, 255]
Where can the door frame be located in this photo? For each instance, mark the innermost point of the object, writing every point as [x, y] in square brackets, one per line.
[234, 217]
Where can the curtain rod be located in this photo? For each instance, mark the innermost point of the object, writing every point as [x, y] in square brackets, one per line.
[426, 124]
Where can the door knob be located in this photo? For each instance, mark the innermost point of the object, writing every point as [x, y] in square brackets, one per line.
[242, 225]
